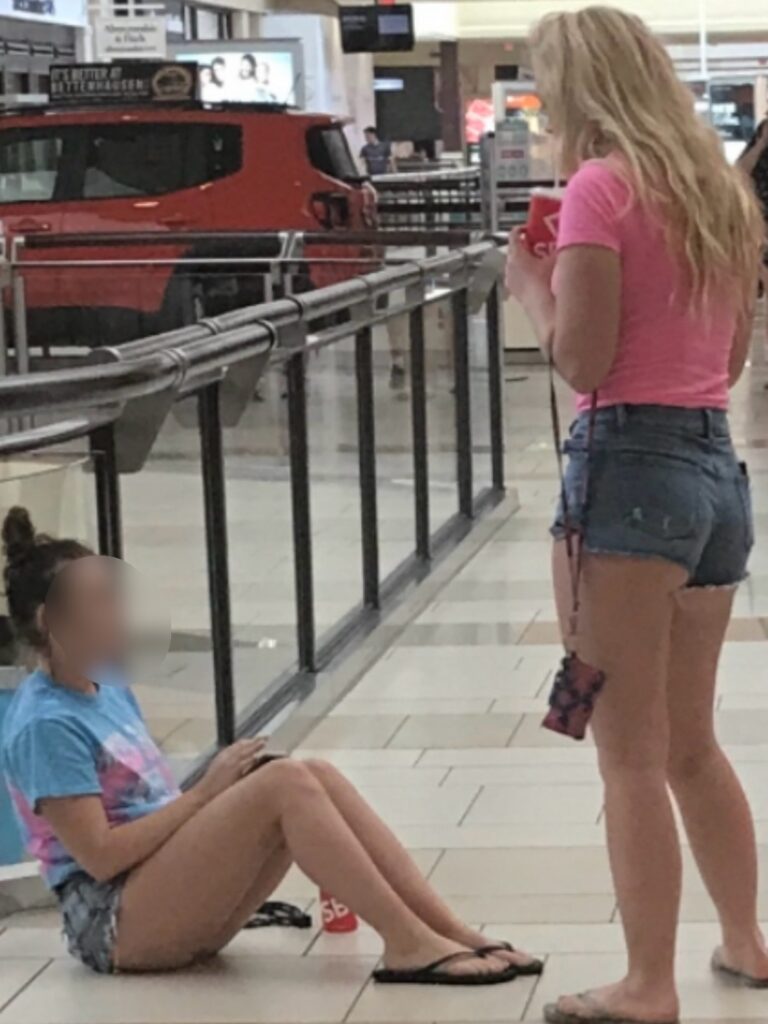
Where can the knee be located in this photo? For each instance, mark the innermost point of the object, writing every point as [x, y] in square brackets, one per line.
[290, 778]
[689, 762]
[323, 771]
[641, 765]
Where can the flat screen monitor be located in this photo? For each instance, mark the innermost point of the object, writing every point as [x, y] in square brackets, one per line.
[247, 71]
[377, 28]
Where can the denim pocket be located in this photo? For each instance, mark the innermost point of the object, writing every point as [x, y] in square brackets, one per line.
[651, 494]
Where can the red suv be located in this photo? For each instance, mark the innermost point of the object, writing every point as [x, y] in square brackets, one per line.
[196, 169]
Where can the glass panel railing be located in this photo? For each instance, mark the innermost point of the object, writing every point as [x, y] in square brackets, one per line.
[441, 413]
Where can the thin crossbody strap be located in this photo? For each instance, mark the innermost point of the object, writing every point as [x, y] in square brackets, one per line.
[574, 533]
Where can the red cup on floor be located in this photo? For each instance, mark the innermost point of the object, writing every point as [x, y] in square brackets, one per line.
[543, 220]
[337, 919]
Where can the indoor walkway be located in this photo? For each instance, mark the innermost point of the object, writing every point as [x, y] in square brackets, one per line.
[443, 736]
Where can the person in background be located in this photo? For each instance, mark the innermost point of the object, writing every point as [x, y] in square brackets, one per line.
[754, 163]
[149, 878]
[646, 311]
[375, 154]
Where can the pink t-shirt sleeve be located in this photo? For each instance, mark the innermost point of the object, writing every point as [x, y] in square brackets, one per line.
[592, 207]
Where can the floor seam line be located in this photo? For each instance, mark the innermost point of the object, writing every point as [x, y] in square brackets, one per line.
[4, 1006]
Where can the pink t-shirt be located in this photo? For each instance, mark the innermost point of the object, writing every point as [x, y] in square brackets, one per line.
[667, 355]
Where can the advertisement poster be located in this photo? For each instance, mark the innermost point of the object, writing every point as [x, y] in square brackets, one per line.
[57, 12]
[133, 82]
[245, 76]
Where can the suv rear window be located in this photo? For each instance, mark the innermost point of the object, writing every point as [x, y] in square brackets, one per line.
[329, 152]
[153, 159]
[29, 165]
[114, 160]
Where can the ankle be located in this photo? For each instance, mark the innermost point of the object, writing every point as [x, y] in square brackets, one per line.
[737, 941]
[656, 985]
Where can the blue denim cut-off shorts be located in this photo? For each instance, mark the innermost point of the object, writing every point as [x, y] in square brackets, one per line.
[663, 482]
[89, 910]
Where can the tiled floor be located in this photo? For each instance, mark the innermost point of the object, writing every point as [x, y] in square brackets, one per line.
[443, 736]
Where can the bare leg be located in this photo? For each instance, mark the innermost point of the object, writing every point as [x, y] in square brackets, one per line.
[624, 630]
[717, 816]
[395, 864]
[220, 853]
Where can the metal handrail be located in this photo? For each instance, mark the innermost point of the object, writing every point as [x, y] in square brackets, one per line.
[173, 360]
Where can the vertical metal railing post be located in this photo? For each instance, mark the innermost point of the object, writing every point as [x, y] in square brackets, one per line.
[217, 551]
[496, 386]
[366, 435]
[107, 481]
[302, 517]
[420, 437]
[460, 308]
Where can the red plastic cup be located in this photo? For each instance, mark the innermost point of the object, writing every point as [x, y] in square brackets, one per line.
[543, 220]
[337, 919]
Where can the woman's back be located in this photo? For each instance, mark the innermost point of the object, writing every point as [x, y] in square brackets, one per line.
[670, 351]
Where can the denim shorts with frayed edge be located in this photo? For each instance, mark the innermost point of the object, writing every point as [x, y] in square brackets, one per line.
[89, 910]
[661, 482]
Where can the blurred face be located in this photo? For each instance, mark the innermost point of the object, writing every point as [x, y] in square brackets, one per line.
[217, 72]
[102, 613]
[247, 68]
[371, 137]
[85, 613]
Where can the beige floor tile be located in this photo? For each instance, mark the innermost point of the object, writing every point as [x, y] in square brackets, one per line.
[553, 871]
[561, 805]
[744, 726]
[48, 918]
[232, 990]
[421, 805]
[527, 909]
[355, 731]
[562, 937]
[34, 942]
[573, 754]
[398, 778]
[15, 974]
[524, 775]
[703, 997]
[456, 730]
[350, 757]
[435, 706]
[381, 1004]
[491, 837]
[261, 942]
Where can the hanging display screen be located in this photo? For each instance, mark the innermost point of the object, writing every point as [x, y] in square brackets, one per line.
[377, 29]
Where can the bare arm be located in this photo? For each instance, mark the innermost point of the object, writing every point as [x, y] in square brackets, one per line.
[740, 347]
[105, 851]
[750, 158]
[581, 328]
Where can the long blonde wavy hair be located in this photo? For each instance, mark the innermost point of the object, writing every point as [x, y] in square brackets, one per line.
[609, 86]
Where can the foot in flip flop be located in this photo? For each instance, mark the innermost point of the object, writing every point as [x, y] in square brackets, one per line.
[442, 962]
[611, 1005]
[500, 950]
[749, 969]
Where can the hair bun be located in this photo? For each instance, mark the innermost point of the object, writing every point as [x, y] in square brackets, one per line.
[18, 535]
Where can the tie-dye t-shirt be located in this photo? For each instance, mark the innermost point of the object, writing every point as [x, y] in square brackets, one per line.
[57, 742]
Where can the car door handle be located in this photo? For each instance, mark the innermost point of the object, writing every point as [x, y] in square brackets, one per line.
[29, 227]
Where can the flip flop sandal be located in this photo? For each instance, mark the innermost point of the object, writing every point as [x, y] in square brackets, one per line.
[433, 974]
[535, 967]
[598, 1015]
[732, 974]
[279, 915]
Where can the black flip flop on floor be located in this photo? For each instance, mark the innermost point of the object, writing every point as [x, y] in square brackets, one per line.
[433, 974]
[732, 974]
[535, 967]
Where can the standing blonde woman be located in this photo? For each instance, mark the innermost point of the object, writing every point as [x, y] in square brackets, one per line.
[649, 304]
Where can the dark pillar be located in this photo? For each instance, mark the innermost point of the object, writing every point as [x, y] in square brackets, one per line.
[450, 97]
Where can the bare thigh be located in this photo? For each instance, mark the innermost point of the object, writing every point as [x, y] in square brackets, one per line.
[624, 630]
[192, 896]
[699, 625]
